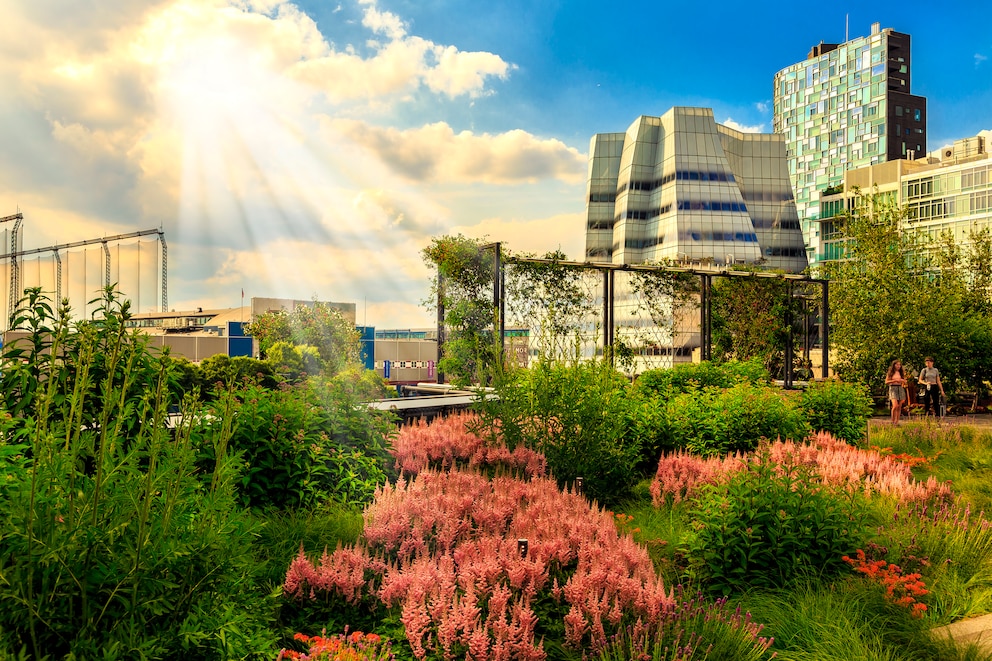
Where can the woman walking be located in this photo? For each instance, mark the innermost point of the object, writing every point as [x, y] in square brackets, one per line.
[896, 382]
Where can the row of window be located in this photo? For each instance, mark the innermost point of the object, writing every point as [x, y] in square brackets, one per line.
[679, 175]
[762, 223]
[975, 177]
[976, 202]
[776, 224]
[685, 237]
[778, 251]
[947, 183]
[683, 205]
[767, 196]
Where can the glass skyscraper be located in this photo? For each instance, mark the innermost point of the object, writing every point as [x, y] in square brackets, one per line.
[846, 106]
[682, 188]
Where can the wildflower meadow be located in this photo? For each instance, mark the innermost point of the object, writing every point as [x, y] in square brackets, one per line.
[152, 511]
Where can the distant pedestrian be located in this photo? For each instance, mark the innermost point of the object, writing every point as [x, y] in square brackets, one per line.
[930, 385]
[896, 382]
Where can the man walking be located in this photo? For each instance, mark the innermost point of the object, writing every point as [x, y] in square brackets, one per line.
[930, 386]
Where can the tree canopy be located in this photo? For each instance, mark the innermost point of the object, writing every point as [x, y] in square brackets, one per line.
[318, 335]
[898, 294]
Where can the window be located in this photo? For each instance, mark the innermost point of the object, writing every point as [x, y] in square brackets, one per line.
[918, 114]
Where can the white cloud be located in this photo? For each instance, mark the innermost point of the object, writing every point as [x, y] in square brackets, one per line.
[565, 232]
[399, 65]
[762, 106]
[436, 153]
[979, 59]
[737, 126]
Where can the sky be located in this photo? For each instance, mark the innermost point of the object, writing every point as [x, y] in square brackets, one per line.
[312, 149]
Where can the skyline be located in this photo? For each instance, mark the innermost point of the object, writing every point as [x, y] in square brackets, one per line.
[313, 149]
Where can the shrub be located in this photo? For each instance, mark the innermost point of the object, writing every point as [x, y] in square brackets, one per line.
[901, 589]
[681, 475]
[582, 417]
[354, 646]
[719, 421]
[840, 408]
[301, 445]
[769, 524]
[221, 372]
[666, 383]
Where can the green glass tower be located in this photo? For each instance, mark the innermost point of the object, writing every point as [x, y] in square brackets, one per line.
[846, 106]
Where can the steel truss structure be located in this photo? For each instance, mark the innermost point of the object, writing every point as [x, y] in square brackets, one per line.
[14, 256]
[609, 271]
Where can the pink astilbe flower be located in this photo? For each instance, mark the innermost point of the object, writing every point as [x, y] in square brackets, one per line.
[444, 549]
[447, 442]
[680, 475]
[341, 573]
[837, 464]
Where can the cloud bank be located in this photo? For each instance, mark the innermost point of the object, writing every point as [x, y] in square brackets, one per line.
[276, 155]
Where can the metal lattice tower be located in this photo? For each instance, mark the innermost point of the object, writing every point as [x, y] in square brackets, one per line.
[15, 272]
[58, 280]
[165, 271]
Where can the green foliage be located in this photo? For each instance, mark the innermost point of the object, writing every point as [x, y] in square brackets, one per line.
[583, 417]
[840, 408]
[301, 445]
[548, 298]
[464, 286]
[112, 546]
[770, 524]
[849, 620]
[318, 325]
[696, 630]
[221, 372]
[281, 532]
[292, 361]
[666, 383]
[749, 319]
[361, 384]
[717, 421]
[98, 374]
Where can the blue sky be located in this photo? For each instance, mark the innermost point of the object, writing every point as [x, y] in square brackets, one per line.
[313, 148]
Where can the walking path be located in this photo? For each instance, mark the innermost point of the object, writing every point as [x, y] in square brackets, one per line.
[977, 630]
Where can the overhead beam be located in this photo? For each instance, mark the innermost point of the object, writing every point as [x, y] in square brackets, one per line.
[78, 244]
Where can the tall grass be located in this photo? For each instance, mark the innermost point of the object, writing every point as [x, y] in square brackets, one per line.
[112, 546]
[847, 620]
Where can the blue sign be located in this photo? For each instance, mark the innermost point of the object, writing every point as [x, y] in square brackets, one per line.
[385, 368]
